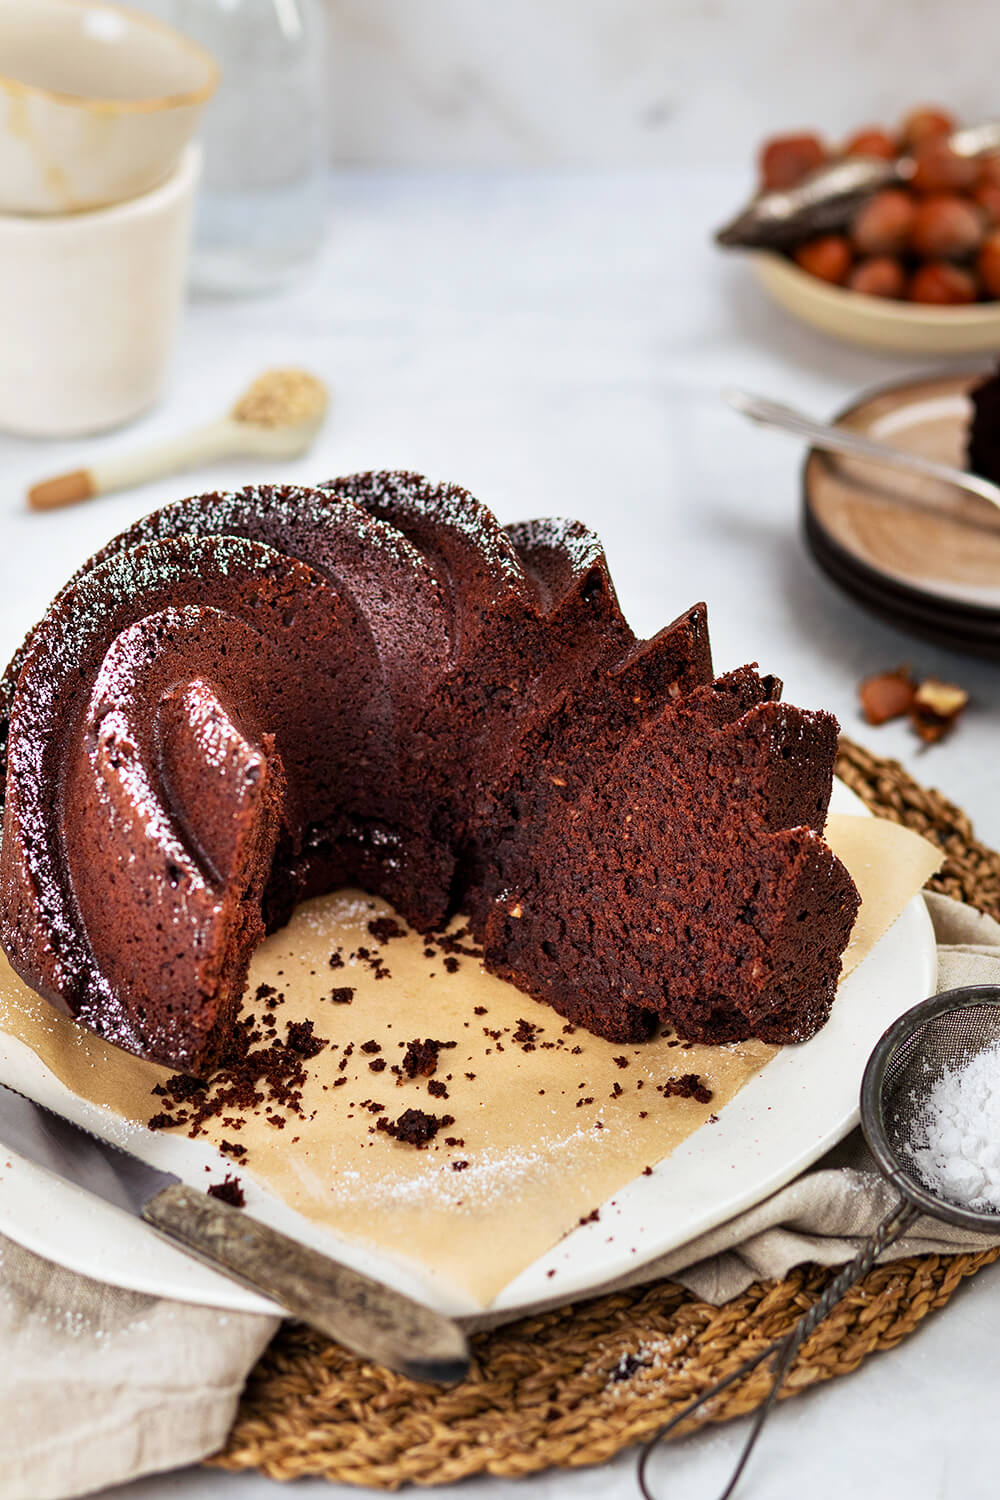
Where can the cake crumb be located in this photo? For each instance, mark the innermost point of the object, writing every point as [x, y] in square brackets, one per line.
[228, 1191]
[415, 1127]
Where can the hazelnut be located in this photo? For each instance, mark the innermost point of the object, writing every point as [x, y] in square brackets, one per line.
[946, 227]
[941, 284]
[878, 276]
[888, 695]
[828, 257]
[925, 123]
[786, 159]
[872, 141]
[939, 170]
[989, 169]
[987, 197]
[988, 263]
[883, 222]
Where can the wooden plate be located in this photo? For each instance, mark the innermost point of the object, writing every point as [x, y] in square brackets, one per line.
[920, 549]
[927, 624]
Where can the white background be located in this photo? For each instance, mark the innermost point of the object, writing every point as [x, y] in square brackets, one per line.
[638, 82]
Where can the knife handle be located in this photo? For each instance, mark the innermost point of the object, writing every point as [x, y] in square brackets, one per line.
[367, 1317]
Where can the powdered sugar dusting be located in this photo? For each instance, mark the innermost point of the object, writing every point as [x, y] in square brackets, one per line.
[956, 1142]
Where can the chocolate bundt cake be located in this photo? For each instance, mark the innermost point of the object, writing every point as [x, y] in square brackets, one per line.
[251, 698]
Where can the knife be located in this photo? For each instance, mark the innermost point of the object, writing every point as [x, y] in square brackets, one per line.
[365, 1316]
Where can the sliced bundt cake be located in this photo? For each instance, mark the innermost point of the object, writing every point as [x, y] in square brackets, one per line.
[246, 699]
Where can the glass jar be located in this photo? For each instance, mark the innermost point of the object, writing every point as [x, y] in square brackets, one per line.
[262, 209]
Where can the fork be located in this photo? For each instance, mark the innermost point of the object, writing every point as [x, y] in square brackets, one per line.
[854, 444]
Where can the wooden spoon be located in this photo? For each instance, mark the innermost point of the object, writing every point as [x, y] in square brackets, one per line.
[279, 416]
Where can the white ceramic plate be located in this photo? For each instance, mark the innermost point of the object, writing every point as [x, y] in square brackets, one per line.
[800, 1105]
[878, 322]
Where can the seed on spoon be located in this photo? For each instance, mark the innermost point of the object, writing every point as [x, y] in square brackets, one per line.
[278, 416]
[282, 398]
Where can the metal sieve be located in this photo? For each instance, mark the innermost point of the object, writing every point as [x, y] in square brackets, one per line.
[938, 1034]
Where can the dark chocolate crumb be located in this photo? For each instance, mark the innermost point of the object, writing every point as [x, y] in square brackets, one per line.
[421, 1057]
[228, 1191]
[299, 1036]
[686, 1086]
[384, 929]
[415, 1127]
[526, 1035]
[342, 995]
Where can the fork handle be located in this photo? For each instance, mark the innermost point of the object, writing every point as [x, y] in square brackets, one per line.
[855, 444]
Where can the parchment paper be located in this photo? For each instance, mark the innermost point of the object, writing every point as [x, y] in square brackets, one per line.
[548, 1121]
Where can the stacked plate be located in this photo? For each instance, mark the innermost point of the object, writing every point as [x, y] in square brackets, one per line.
[913, 551]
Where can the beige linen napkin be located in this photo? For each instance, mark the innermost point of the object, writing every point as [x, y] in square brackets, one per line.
[98, 1386]
[825, 1214]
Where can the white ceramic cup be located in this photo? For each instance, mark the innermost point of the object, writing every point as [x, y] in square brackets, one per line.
[96, 103]
[89, 308]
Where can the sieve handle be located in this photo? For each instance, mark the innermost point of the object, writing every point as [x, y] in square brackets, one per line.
[892, 1228]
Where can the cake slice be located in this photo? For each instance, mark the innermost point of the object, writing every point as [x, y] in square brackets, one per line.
[686, 879]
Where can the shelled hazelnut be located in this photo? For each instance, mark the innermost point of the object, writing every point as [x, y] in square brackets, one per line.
[786, 159]
[828, 257]
[931, 240]
[878, 276]
[940, 284]
[933, 706]
[946, 227]
[887, 695]
[884, 222]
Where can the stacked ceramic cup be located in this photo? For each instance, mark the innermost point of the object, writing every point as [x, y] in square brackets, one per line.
[98, 107]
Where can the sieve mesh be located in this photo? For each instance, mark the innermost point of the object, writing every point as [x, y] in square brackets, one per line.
[941, 1034]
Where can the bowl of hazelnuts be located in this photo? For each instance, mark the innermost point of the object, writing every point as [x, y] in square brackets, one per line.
[915, 266]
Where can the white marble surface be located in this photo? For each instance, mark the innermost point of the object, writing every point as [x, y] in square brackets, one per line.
[557, 342]
[633, 82]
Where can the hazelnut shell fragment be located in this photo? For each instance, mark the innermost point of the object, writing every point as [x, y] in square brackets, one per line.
[936, 707]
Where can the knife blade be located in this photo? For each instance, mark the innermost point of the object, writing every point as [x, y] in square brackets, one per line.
[366, 1316]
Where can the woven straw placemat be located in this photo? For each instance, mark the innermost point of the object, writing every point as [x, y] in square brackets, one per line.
[576, 1385]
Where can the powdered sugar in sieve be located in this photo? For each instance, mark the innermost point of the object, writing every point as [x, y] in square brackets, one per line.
[930, 1112]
